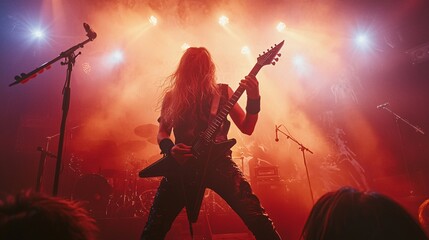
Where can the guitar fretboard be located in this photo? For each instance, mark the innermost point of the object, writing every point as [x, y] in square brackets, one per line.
[209, 133]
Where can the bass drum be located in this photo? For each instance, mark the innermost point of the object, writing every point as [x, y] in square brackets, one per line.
[94, 192]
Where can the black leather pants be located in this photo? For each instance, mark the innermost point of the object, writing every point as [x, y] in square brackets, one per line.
[225, 179]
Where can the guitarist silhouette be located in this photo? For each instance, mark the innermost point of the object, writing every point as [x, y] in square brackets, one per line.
[195, 108]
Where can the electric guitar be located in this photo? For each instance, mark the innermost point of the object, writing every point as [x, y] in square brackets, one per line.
[205, 150]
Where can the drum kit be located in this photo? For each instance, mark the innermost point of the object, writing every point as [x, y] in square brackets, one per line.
[112, 191]
[109, 187]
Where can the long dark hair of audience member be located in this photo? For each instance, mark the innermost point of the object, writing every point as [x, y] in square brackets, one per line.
[31, 216]
[354, 215]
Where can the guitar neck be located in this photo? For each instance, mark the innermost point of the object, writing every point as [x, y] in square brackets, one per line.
[209, 133]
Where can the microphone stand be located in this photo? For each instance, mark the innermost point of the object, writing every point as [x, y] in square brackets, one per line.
[401, 139]
[303, 149]
[397, 117]
[70, 59]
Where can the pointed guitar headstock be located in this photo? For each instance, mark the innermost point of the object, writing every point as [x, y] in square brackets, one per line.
[271, 56]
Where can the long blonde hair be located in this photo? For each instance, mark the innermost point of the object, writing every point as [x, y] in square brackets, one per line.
[193, 83]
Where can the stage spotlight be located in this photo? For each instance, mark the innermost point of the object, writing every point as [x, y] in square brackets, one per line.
[116, 57]
[245, 50]
[153, 20]
[362, 40]
[298, 61]
[223, 20]
[281, 27]
[300, 64]
[37, 34]
[185, 46]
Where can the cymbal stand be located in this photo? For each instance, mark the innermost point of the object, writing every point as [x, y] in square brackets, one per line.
[214, 205]
[303, 149]
[397, 117]
[43, 154]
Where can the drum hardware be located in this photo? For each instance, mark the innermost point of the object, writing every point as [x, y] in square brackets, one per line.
[94, 192]
[131, 202]
[75, 164]
[213, 203]
[132, 198]
[113, 192]
[146, 199]
[43, 154]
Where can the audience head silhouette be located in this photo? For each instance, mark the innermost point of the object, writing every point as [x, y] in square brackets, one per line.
[354, 215]
[29, 215]
[424, 215]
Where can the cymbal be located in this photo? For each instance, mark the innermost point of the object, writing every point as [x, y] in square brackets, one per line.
[153, 140]
[133, 145]
[146, 130]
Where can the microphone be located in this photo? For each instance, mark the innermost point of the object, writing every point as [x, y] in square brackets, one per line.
[383, 105]
[89, 32]
[277, 135]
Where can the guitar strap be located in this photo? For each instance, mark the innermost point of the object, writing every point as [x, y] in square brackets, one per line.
[215, 103]
[218, 100]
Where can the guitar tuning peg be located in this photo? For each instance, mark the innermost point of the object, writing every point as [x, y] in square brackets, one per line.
[263, 52]
[273, 63]
[279, 54]
[259, 54]
[276, 59]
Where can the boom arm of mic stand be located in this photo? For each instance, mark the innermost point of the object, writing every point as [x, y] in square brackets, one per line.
[26, 76]
[302, 147]
[404, 120]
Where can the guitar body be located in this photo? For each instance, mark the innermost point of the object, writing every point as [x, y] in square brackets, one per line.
[168, 167]
[165, 166]
[206, 155]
